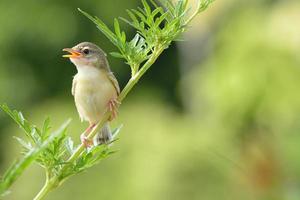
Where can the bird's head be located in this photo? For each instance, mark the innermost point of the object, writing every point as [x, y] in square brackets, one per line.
[87, 54]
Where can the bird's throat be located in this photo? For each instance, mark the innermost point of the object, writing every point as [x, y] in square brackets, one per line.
[87, 70]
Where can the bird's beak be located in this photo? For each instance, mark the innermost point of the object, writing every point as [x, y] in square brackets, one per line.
[73, 53]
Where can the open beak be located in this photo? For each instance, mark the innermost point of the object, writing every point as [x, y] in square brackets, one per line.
[73, 53]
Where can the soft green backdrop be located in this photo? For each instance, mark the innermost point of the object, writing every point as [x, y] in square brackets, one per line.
[217, 117]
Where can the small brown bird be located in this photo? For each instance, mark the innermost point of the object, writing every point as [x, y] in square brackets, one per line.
[95, 89]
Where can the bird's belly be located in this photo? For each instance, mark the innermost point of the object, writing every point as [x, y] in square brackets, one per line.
[92, 98]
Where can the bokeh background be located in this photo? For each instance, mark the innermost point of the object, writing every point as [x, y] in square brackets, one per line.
[217, 117]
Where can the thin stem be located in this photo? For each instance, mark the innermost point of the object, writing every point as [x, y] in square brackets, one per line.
[140, 73]
[48, 186]
[134, 69]
[44, 191]
[201, 7]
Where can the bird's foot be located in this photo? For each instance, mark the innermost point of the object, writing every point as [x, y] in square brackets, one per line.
[113, 105]
[87, 142]
[89, 129]
[83, 137]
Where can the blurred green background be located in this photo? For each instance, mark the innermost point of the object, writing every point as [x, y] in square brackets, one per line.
[217, 117]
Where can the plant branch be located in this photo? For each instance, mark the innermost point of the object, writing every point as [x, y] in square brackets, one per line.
[44, 191]
[152, 38]
[31, 151]
[202, 5]
[52, 182]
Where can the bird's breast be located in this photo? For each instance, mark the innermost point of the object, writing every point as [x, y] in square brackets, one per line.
[92, 94]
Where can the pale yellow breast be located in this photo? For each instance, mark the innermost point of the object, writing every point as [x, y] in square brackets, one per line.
[92, 94]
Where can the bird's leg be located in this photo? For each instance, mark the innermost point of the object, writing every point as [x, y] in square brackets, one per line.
[83, 136]
[113, 105]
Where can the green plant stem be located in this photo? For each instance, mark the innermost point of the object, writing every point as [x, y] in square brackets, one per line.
[133, 81]
[157, 51]
[44, 191]
[200, 8]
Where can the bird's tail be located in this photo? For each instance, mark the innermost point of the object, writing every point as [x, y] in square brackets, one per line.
[104, 136]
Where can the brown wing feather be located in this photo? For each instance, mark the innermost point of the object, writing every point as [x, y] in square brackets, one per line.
[114, 81]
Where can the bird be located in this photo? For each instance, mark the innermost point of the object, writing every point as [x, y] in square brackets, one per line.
[95, 89]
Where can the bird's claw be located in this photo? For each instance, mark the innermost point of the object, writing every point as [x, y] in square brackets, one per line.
[113, 105]
[87, 142]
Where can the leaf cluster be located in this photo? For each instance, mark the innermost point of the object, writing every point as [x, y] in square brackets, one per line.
[37, 140]
[157, 25]
[51, 150]
[88, 158]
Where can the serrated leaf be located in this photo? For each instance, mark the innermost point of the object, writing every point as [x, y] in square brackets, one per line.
[19, 166]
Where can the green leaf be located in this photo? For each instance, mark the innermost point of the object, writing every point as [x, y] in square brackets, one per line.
[154, 3]
[102, 27]
[116, 54]
[46, 127]
[135, 40]
[20, 120]
[133, 18]
[140, 15]
[16, 169]
[117, 28]
[19, 166]
[203, 5]
[160, 19]
[156, 11]
[123, 37]
[116, 131]
[146, 7]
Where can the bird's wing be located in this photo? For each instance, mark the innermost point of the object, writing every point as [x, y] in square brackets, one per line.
[114, 81]
[74, 85]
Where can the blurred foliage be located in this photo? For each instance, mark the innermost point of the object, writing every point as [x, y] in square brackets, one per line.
[38, 140]
[237, 137]
[51, 151]
[249, 89]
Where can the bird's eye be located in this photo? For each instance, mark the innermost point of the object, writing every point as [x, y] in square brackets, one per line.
[86, 51]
